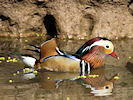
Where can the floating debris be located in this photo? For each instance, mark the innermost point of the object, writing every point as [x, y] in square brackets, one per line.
[37, 35]
[9, 57]
[18, 72]
[78, 77]
[2, 58]
[48, 78]
[40, 34]
[10, 81]
[15, 60]
[27, 70]
[24, 46]
[68, 98]
[35, 72]
[93, 76]
[83, 76]
[129, 57]
[26, 40]
[7, 61]
[14, 74]
[116, 77]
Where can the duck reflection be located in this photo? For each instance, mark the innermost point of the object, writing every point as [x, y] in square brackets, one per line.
[99, 86]
[51, 80]
[96, 82]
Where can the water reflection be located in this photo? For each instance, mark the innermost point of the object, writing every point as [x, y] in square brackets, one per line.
[100, 86]
[129, 67]
[54, 78]
[96, 81]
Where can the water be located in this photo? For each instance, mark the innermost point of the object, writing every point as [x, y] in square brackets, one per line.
[44, 89]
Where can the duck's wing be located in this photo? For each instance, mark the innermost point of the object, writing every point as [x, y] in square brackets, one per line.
[48, 48]
[86, 46]
[60, 64]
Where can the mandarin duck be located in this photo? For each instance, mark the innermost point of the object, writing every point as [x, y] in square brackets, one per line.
[91, 54]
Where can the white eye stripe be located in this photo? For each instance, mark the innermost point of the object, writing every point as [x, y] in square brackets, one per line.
[100, 43]
[94, 44]
[107, 44]
[104, 43]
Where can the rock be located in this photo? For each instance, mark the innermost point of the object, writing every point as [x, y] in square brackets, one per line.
[21, 19]
[113, 21]
[69, 19]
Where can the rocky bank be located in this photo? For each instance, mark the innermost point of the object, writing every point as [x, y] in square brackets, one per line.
[69, 19]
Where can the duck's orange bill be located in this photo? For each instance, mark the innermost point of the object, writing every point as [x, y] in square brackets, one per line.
[114, 55]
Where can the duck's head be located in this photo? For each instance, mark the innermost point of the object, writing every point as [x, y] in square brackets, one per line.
[99, 88]
[108, 85]
[105, 43]
[103, 91]
[106, 89]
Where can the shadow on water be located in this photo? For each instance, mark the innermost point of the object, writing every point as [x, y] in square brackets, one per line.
[129, 67]
[13, 86]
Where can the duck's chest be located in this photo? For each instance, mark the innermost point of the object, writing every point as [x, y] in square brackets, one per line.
[96, 60]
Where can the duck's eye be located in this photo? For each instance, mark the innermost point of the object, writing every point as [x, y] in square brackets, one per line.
[107, 46]
[106, 87]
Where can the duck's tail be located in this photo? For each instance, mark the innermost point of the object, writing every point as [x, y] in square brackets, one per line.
[36, 49]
